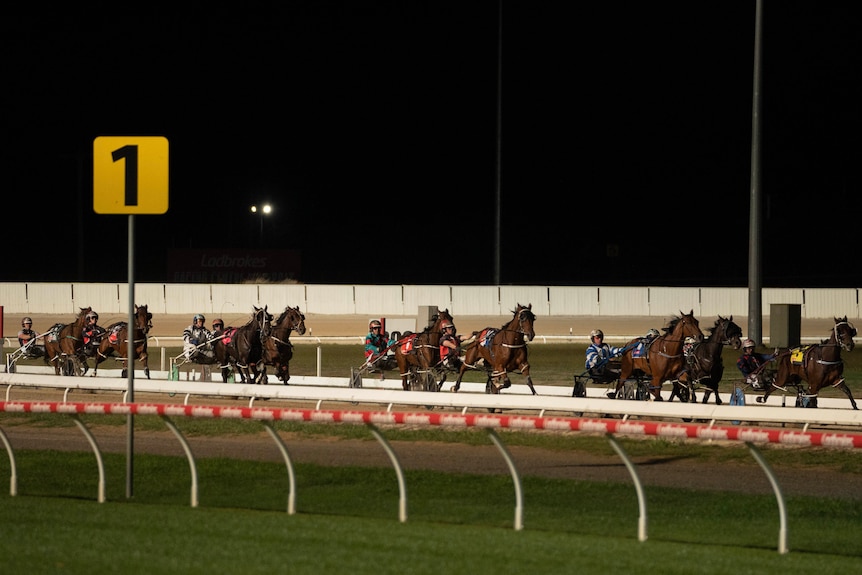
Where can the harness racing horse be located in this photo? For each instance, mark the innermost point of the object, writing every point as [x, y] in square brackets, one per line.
[65, 344]
[418, 355]
[242, 347]
[663, 359]
[704, 366]
[278, 350]
[501, 351]
[116, 341]
[819, 364]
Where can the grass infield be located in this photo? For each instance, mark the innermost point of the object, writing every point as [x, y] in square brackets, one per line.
[347, 521]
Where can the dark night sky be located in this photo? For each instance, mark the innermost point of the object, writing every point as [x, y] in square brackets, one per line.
[371, 126]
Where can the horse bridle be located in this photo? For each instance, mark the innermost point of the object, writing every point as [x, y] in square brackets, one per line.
[840, 341]
[262, 323]
[522, 318]
[727, 336]
[293, 325]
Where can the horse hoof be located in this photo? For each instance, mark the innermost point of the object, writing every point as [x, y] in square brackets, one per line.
[759, 399]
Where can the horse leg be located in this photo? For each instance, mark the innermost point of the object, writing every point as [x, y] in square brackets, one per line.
[710, 389]
[768, 391]
[441, 382]
[843, 387]
[656, 391]
[525, 371]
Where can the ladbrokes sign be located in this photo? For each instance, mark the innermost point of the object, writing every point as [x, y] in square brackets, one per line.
[233, 266]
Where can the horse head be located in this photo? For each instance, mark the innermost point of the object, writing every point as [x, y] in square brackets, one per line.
[686, 325]
[263, 322]
[81, 320]
[441, 318]
[291, 319]
[844, 332]
[526, 317]
[143, 318]
[730, 333]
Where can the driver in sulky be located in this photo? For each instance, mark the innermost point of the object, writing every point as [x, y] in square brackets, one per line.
[196, 337]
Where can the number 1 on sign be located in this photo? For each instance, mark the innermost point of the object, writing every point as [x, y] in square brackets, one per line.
[130, 154]
[130, 175]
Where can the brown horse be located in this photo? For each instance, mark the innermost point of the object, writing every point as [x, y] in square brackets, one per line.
[116, 341]
[704, 366]
[64, 345]
[418, 355]
[502, 351]
[278, 350]
[820, 364]
[242, 347]
[663, 360]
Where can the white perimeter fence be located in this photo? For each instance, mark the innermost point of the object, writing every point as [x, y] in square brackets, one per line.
[405, 300]
[549, 399]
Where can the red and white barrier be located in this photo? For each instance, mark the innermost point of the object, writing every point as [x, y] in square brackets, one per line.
[493, 421]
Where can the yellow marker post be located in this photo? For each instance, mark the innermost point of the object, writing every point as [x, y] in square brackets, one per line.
[130, 175]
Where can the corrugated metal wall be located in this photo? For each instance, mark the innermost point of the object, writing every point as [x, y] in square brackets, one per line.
[405, 300]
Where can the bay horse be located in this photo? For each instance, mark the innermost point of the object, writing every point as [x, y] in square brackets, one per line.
[820, 364]
[65, 344]
[242, 347]
[278, 350]
[663, 359]
[705, 366]
[501, 351]
[116, 341]
[418, 354]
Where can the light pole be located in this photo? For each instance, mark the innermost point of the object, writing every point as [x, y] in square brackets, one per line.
[262, 210]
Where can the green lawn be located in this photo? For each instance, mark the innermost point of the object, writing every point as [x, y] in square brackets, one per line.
[347, 521]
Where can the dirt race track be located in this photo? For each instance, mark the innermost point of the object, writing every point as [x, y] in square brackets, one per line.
[665, 471]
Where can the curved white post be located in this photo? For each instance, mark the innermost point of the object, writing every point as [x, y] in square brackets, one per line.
[291, 495]
[13, 477]
[516, 479]
[642, 508]
[779, 497]
[189, 456]
[99, 462]
[402, 486]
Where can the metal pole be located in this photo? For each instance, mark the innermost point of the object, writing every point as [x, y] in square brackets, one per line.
[130, 364]
[755, 279]
[498, 211]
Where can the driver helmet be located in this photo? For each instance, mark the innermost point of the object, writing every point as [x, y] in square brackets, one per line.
[218, 322]
[374, 323]
[26, 321]
[597, 333]
[92, 316]
[653, 332]
[690, 340]
[199, 316]
[748, 343]
[448, 324]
